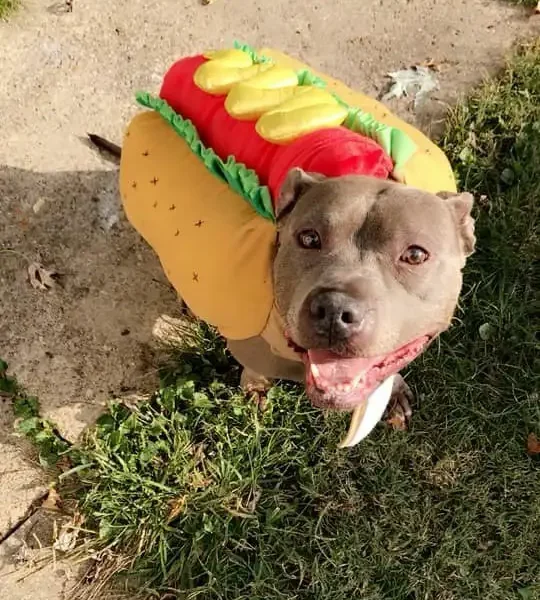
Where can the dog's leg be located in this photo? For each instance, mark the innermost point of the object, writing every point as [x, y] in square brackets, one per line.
[399, 411]
[261, 366]
[255, 386]
[255, 354]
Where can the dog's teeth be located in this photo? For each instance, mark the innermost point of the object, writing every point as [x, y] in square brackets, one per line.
[342, 388]
[356, 381]
[314, 370]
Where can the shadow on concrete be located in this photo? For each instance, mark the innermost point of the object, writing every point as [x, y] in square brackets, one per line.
[89, 337]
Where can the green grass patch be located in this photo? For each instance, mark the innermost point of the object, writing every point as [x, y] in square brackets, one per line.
[203, 497]
[50, 446]
[7, 7]
[529, 3]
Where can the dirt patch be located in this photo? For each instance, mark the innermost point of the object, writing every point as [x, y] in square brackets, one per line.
[88, 338]
[28, 568]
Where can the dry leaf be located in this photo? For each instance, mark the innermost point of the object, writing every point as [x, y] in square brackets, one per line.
[53, 501]
[177, 506]
[406, 81]
[533, 444]
[38, 205]
[198, 481]
[66, 540]
[537, 9]
[437, 65]
[41, 278]
[254, 500]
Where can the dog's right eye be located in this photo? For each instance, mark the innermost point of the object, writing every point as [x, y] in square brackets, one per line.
[309, 239]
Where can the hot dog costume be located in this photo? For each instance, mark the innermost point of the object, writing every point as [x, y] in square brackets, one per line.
[200, 172]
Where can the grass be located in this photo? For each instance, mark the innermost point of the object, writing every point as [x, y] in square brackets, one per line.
[51, 447]
[7, 7]
[194, 494]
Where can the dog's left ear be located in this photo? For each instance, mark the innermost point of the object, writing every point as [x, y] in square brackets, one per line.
[461, 206]
[296, 183]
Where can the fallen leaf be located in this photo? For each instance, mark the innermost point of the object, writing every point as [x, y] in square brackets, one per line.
[533, 444]
[41, 278]
[53, 501]
[537, 9]
[406, 81]
[207, 2]
[253, 501]
[66, 540]
[436, 65]
[466, 155]
[177, 506]
[431, 64]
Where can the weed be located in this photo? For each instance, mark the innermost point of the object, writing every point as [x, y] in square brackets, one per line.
[41, 432]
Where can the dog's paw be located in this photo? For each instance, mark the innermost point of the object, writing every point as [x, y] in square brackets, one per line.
[255, 387]
[399, 411]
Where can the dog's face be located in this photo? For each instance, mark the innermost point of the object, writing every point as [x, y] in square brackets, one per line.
[367, 273]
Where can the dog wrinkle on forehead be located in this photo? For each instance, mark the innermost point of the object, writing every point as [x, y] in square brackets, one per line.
[411, 216]
[335, 201]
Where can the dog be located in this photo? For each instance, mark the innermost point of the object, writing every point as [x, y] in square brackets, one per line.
[339, 281]
[366, 274]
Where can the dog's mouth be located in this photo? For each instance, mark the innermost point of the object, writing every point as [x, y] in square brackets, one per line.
[343, 383]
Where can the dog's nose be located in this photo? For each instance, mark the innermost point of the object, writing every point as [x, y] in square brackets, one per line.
[336, 315]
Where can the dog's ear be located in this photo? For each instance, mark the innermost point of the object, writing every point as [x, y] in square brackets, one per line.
[296, 183]
[461, 206]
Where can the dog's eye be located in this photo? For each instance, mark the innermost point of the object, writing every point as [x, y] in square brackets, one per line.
[309, 239]
[414, 255]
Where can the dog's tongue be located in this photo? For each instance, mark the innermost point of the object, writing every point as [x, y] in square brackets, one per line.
[329, 369]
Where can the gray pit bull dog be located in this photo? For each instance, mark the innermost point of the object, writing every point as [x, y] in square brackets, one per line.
[367, 273]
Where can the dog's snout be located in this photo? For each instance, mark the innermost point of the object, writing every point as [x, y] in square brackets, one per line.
[335, 314]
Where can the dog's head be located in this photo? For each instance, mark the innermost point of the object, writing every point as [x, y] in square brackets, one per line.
[367, 273]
